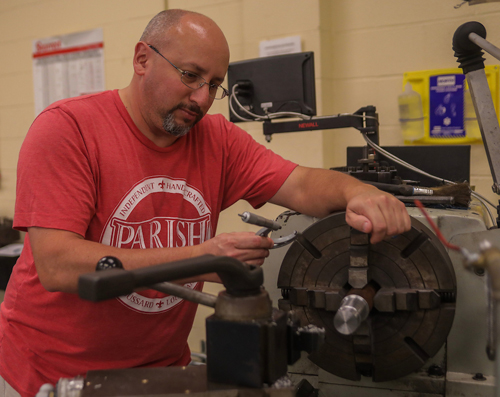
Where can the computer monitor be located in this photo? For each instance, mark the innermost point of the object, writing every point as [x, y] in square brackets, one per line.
[269, 85]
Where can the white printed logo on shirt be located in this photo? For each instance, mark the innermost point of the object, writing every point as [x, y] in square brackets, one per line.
[157, 232]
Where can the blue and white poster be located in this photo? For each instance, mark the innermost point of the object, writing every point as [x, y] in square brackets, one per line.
[446, 106]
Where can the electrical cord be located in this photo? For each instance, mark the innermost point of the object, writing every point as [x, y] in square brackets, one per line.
[270, 116]
[470, 257]
[234, 112]
[483, 200]
[257, 117]
[233, 96]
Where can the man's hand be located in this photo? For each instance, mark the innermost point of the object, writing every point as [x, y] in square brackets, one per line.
[379, 213]
[245, 246]
[319, 192]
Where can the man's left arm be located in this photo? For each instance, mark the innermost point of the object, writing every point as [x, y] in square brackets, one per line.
[319, 192]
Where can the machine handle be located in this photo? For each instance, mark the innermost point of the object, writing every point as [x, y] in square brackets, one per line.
[192, 295]
[238, 278]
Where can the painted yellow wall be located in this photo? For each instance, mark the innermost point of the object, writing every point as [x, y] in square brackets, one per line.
[372, 43]
[362, 48]
[21, 22]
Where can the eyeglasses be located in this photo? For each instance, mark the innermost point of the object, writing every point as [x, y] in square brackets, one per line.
[193, 81]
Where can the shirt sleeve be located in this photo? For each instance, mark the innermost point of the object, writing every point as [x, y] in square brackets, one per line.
[254, 173]
[55, 184]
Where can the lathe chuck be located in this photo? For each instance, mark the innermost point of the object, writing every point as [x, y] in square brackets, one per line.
[408, 282]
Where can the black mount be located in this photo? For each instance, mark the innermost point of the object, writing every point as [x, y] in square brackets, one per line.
[364, 120]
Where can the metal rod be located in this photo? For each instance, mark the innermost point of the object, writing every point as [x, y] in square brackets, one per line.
[253, 219]
[491, 345]
[188, 294]
[428, 199]
[488, 121]
[485, 45]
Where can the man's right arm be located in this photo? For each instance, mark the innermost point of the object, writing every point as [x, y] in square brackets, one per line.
[61, 256]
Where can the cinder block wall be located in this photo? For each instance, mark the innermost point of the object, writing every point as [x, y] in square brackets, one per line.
[21, 22]
[362, 48]
[369, 47]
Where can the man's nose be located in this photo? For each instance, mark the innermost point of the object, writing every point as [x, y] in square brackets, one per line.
[201, 96]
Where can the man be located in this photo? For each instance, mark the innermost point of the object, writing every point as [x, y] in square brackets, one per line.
[141, 174]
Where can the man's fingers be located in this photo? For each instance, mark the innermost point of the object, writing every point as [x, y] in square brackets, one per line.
[253, 249]
[385, 216]
[358, 222]
[255, 262]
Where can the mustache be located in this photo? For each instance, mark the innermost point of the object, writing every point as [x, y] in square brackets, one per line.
[192, 108]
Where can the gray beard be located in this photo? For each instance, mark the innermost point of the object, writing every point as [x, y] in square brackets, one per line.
[170, 126]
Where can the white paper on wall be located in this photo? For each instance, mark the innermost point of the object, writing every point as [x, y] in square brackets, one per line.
[67, 66]
[284, 45]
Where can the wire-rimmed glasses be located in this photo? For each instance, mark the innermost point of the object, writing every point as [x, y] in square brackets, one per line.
[194, 81]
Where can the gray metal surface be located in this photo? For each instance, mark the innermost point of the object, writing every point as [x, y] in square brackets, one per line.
[170, 381]
[488, 121]
[468, 337]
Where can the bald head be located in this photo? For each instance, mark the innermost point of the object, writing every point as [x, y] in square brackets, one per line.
[162, 22]
[169, 24]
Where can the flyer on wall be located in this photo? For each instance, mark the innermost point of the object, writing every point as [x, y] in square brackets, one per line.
[67, 66]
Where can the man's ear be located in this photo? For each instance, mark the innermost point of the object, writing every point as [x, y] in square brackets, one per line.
[141, 55]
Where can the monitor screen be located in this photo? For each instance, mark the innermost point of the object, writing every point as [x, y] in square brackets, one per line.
[276, 84]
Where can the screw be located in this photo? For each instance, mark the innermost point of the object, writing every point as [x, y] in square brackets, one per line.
[435, 370]
[479, 271]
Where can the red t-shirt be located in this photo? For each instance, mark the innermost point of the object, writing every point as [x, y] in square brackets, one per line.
[86, 168]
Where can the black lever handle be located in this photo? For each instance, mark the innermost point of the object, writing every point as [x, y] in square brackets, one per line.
[238, 278]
